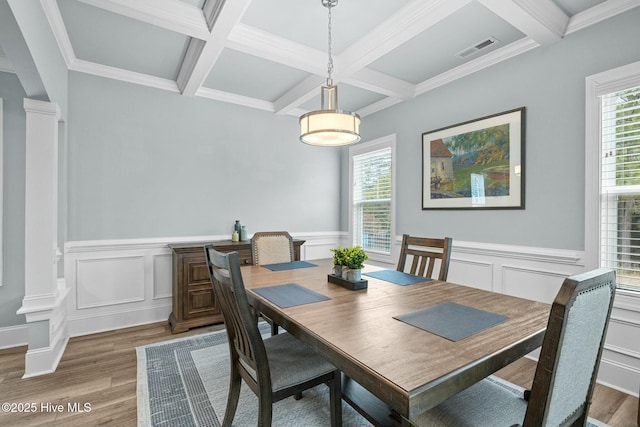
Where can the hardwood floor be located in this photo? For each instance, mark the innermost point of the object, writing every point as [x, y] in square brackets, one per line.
[100, 370]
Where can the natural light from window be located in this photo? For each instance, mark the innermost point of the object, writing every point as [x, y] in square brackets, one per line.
[620, 186]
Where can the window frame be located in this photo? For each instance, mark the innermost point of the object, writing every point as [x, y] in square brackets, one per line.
[388, 141]
[610, 81]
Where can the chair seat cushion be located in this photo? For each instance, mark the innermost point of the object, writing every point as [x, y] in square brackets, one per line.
[293, 362]
[489, 403]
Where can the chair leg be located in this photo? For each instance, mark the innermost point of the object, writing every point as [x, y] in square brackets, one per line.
[235, 381]
[335, 399]
[265, 409]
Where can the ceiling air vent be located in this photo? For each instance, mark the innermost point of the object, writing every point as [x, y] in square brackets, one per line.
[489, 41]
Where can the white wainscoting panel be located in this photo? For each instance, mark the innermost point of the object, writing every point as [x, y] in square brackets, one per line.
[162, 273]
[478, 274]
[99, 299]
[531, 283]
[109, 281]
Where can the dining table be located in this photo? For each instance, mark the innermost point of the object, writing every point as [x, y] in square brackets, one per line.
[403, 346]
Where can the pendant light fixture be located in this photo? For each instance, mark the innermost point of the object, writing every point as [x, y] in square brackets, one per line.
[329, 126]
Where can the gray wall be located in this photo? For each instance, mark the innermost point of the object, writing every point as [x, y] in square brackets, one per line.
[13, 158]
[550, 82]
[146, 163]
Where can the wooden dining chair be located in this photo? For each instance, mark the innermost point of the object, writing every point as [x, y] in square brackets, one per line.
[425, 254]
[275, 368]
[271, 247]
[565, 375]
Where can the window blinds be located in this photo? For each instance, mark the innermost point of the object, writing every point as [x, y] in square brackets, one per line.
[372, 200]
[620, 186]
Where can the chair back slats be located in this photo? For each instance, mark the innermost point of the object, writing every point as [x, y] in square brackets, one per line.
[570, 356]
[245, 342]
[425, 255]
[271, 247]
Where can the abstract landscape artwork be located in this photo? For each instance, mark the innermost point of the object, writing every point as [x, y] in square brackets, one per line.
[475, 164]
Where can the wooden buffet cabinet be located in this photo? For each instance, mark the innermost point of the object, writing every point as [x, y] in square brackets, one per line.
[194, 303]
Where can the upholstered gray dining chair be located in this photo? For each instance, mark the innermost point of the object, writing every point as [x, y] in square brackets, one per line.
[271, 247]
[427, 255]
[565, 375]
[274, 368]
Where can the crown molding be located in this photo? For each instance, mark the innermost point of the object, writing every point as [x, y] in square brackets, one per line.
[378, 106]
[52, 13]
[173, 15]
[509, 51]
[232, 98]
[5, 65]
[599, 13]
[123, 75]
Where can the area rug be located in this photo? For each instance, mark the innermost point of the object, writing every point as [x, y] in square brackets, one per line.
[184, 382]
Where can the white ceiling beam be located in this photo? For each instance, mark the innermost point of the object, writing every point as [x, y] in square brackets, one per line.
[262, 44]
[300, 94]
[173, 15]
[384, 84]
[411, 20]
[542, 20]
[408, 22]
[265, 45]
[202, 55]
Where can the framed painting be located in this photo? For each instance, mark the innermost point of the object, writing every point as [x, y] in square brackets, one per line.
[477, 164]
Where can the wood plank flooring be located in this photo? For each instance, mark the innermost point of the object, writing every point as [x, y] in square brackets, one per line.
[100, 370]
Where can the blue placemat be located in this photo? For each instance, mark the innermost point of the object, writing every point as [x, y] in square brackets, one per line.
[397, 277]
[288, 265]
[290, 295]
[452, 321]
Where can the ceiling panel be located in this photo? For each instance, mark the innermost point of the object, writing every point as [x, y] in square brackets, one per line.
[305, 21]
[117, 41]
[573, 7]
[251, 76]
[433, 52]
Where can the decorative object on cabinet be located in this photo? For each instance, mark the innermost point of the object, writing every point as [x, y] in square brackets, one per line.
[477, 164]
[194, 303]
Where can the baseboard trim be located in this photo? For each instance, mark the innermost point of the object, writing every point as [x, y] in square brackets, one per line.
[109, 321]
[14, 336]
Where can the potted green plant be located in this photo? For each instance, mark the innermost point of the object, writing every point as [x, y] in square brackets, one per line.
[338, 260]
[354, 258]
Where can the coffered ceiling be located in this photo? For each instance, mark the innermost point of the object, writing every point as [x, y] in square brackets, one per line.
[272, 54]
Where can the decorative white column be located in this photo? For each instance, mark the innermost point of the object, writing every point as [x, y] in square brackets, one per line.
[44, 301]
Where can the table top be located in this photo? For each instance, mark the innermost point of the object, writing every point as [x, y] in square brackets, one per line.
[408, 368]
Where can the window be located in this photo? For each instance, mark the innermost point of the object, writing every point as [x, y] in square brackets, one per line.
[372, 200]
[612, 237]
[620, 186]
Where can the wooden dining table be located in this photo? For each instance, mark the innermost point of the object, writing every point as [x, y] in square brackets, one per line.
[387, 361]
